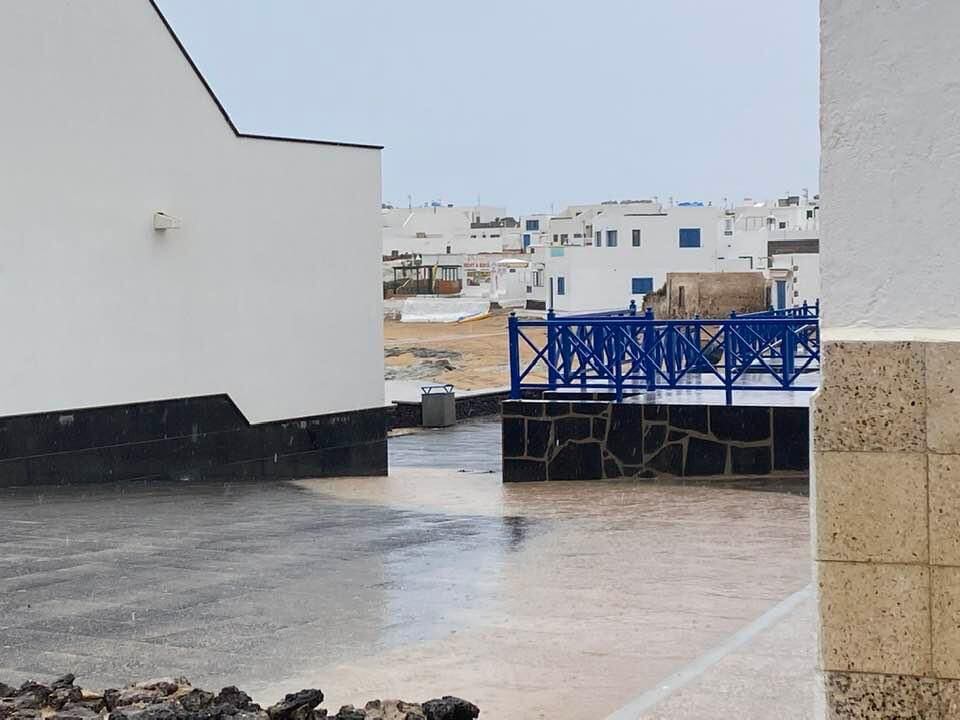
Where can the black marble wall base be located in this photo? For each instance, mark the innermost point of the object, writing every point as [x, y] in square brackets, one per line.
[188, 438]
[596, 440]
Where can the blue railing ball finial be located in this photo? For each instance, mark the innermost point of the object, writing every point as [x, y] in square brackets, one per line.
[633, 307]
[648, 313]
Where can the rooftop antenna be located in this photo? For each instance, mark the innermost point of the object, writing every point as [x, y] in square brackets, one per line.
[410, 202]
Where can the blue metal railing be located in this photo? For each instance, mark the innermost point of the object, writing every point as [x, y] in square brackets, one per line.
[627, 353]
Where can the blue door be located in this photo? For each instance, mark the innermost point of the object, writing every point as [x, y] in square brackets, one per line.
[781, 294]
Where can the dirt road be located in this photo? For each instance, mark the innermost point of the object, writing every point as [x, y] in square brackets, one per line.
[470, 355]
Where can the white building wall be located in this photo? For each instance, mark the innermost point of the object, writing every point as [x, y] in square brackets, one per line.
[890, 181]
[600, 278]
[270, 291]
[805, 276]
[433, 229]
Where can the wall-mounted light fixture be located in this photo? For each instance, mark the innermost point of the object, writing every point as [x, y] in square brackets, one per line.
[162, 221]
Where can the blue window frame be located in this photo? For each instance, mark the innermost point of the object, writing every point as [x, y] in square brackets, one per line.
[689, 237]
[533, 225]
[611, 238]
[561, 285]
[526, 239]
[641, 285]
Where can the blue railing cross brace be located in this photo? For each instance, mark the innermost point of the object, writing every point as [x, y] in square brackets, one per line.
[625, 353]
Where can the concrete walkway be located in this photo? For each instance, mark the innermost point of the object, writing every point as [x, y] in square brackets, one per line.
[568, 600]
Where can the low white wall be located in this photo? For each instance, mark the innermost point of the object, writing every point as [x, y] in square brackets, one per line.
[441, 310]
[271, 290]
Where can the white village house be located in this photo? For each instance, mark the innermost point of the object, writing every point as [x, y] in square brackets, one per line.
[447, 229]
[164, 274]
[599, 257]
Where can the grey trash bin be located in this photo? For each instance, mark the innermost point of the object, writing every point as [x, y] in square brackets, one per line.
[438, 406]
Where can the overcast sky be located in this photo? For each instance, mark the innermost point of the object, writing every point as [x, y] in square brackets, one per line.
[529, 103]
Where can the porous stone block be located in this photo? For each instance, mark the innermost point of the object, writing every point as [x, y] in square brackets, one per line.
[945, 615]
[863, 696]
[942, 361]
[874, 617]
[871, 398]
[944, 480]
[871, 507]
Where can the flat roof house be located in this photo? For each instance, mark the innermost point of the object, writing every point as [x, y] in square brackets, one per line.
[181, 298]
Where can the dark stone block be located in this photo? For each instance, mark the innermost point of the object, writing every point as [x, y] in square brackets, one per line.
[511, 407]
[577, 461]
[478, 406]
[406, 415]
[571, 428]
[669, 460]
[653, 438]
[514, 437]
[589, 408]
[532, 409]
[742, 424]
[524, 470]
[611, 469]
[599, 429]
[705, 457]
[655, 412]
[689, 417]
[538, 437]
[555, 409]
[791, 438]
[750, 460]
[625, 433]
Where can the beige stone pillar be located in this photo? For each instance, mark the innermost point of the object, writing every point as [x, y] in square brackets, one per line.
[886, 422]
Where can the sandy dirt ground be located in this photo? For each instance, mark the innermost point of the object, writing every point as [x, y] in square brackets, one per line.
[470, 355]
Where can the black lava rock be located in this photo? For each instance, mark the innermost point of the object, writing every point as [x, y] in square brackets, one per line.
[450, 708]
[63, 682]
[232, 695]
[197, 699]
[296, 706]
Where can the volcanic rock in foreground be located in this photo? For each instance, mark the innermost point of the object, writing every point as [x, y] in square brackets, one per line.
[177, 699]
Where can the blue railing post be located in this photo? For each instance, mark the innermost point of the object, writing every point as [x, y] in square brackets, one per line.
[789, 353]
[551, 351]
[632, 309]
[727, 360]
[649, 347]
[514, 357]
[734, 341]
[618, 363]
[563, 333]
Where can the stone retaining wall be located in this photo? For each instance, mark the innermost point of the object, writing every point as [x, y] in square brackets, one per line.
[585, 440]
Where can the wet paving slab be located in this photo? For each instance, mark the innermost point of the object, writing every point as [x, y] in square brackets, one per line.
[554, 600]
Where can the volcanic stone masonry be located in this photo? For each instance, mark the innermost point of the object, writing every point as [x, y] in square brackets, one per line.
[585, 440]
[177, 699]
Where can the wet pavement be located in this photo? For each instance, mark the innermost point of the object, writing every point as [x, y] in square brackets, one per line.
[560, 600]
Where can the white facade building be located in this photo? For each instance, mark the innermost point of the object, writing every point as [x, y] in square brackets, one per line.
[632, 250]
[271, 255]
[598, 257]
[446, 229]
